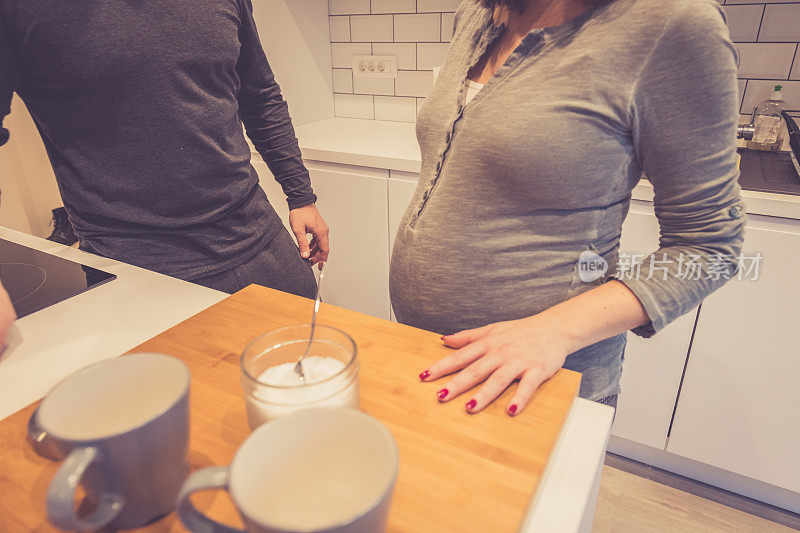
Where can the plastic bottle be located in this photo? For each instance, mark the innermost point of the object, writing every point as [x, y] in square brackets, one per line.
[769, 123]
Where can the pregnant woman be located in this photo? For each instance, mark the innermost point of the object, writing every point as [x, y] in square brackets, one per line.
[542, 120]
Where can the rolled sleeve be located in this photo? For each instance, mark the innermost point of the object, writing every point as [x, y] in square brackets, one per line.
[684, 113]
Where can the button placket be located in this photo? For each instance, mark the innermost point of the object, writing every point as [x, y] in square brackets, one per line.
[440, 163]
[483, 44]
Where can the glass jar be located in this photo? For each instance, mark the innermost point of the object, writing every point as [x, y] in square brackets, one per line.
[273, 389]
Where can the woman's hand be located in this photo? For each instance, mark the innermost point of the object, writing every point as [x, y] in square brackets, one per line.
[530, 350]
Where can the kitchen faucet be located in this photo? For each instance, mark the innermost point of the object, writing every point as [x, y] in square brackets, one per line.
[746, 131]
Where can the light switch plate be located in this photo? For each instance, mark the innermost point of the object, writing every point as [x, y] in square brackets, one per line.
[374, 66]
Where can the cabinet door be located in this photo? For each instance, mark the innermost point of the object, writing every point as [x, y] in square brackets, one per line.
[353, 202]
[738, 408]
[274, 192]
[12, 207]
[401, 189]
[652, 369]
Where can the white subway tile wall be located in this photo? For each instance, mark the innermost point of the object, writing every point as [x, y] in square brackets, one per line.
[765, 32]
[340, 29]
[342, 80]
[421, 27]
[353, 106]
[395, 108]
[371, 28]
[431, 55]
[413, 83]
[394, 6]
[383, 86]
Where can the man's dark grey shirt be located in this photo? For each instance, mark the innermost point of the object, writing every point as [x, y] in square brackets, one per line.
[140, 106]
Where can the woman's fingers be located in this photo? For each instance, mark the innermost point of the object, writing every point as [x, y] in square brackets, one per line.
[530, 381]
[453, 362]
[499, 381]
[463, 338]
[473, 375]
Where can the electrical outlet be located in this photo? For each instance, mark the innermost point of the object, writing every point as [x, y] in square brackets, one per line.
[374, 66]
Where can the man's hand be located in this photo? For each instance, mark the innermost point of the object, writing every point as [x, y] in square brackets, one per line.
[305, 220]
[7, 315]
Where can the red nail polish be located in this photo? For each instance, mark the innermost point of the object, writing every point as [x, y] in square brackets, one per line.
[425, 375]
[442, 337]
[471, 405]
[442, 394]
[512, 409]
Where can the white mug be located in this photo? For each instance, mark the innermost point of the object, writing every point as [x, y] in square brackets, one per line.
[123, 426]
[327, 470]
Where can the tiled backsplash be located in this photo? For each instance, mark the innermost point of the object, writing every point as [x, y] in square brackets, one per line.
[416, 31]
[766, 32]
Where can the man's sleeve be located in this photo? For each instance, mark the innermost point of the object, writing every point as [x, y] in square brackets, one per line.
[9, 77]
[266, 116]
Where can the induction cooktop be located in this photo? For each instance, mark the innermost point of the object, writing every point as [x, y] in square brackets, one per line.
[35, 280]
[769, 172]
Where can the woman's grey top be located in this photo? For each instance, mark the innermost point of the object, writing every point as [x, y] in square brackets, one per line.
[539, 167]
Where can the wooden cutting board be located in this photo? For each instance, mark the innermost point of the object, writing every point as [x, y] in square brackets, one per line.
[458, 472]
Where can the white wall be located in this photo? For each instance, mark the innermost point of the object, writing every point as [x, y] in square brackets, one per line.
[296, 39]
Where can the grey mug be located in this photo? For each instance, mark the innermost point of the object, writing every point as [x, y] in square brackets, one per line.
[326, 470]
[123, 426]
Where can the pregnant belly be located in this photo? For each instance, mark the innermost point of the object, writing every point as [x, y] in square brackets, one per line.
[446, 285]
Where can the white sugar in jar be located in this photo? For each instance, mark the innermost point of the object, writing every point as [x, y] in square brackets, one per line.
[273, 389]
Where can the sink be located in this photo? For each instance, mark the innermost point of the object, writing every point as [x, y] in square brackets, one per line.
[775, 172]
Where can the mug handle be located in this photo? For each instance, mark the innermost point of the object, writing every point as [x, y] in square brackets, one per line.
[61, 495]
[213, 477]
[41, 443]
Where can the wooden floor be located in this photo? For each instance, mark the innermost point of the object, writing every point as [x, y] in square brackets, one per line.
[635, 498]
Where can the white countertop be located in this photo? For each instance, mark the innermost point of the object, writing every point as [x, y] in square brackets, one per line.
[393, 146]
[101, 323]
[365, 143]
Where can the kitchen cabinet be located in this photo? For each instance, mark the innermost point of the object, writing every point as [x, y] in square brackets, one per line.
[652, 368]
[401, 189]
[30, 192]
[353, 202]
[738, 404]
[12, 206]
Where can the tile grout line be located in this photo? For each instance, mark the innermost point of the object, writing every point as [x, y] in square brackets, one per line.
[761, 22]
[791, 66]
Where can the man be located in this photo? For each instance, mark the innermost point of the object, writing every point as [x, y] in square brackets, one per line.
[140, 106]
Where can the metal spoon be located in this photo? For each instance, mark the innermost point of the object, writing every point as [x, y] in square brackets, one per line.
[298, 368]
